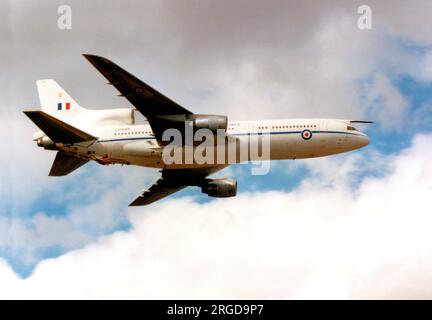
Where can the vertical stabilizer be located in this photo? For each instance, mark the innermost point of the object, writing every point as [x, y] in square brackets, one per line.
[57, 102]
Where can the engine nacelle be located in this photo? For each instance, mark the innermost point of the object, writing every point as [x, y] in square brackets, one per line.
[208, 121]
[46, 143]
[219, 188]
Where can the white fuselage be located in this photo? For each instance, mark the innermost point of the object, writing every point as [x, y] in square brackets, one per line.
[136, 144]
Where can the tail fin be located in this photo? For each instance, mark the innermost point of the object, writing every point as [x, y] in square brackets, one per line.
[64, 164]
[57, 102]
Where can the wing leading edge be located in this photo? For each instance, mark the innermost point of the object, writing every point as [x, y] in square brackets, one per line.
[161, 112]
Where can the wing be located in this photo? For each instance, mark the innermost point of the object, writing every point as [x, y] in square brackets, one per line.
[174, 180]
[159, 110]
[161, 189]
[360, 121]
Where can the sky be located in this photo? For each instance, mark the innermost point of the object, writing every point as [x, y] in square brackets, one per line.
[349, 226]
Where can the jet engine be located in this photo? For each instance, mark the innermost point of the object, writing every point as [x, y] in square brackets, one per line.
[206, 121]
[219, 188]
[46, 143]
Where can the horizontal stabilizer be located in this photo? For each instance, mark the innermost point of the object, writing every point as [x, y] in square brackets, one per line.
[57, 130]
[65, 164]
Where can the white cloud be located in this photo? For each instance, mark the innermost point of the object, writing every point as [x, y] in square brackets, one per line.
[102, 193]
[345, 170]
[319, 242]
[387, 104]
[273, 59]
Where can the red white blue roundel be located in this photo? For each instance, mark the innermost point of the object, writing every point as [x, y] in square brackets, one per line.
[306, 134]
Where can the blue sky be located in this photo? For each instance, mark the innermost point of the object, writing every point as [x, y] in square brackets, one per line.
[248, 64]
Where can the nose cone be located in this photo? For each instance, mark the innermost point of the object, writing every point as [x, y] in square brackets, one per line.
[362, 140]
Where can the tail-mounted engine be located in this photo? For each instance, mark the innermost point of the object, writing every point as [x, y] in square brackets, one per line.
[46, 143]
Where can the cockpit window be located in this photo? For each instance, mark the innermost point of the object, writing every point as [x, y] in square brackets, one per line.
[351, 128]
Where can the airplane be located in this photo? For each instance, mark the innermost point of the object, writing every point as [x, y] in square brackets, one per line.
[113, 136]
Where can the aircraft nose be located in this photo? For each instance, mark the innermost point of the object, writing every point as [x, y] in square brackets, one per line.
[363, 140]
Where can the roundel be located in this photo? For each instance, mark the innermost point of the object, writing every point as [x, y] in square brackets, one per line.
[306, 134]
